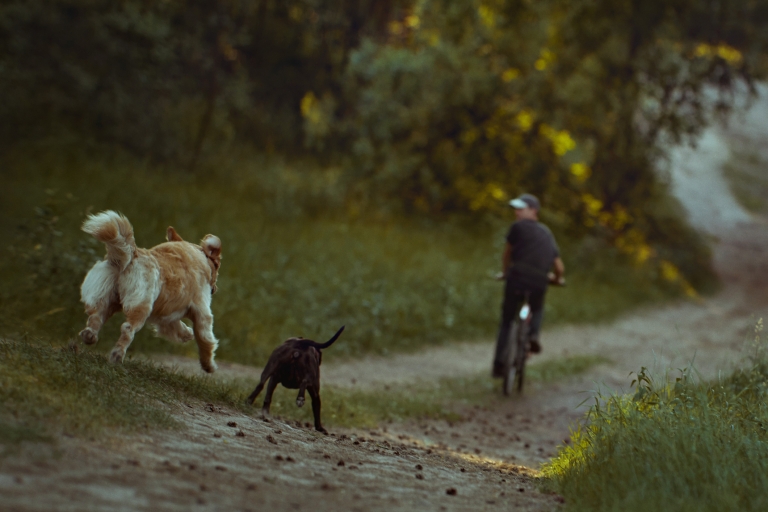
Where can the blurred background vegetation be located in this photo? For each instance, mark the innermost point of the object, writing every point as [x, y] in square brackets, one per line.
[355, 157]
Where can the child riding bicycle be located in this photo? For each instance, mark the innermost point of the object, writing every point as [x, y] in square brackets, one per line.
[530, 254]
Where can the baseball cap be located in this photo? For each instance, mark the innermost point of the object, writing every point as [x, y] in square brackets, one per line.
[525, 201]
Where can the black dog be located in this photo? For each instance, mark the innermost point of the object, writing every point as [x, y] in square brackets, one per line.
[296, 365]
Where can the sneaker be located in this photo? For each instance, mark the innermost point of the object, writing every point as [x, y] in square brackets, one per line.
[498, 370]
[535, 347]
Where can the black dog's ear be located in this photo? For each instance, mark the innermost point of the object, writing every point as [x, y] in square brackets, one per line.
[296, 354]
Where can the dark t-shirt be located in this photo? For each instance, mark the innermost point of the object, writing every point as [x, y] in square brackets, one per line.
[533, 252]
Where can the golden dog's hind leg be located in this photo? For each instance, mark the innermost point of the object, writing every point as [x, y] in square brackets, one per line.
[96, 318]
[175, 331]
[134, 320]
[202, 318]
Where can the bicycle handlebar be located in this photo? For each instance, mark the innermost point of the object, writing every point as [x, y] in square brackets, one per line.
[552, 279]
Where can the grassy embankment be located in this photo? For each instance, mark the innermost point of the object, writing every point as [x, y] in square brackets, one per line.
[685, 445]
[50, 390]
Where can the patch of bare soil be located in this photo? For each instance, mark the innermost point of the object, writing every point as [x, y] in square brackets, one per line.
[487, 461]
[228, 461]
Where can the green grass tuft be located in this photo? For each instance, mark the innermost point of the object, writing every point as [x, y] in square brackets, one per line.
[12, 435]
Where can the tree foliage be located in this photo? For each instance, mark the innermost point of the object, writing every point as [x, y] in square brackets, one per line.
[161, 78]
[432, 105]
[469, 102]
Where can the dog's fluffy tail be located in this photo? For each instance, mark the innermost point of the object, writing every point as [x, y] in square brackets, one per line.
[327, 343]
[116, 232]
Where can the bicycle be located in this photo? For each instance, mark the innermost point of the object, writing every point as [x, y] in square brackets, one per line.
[517, 354]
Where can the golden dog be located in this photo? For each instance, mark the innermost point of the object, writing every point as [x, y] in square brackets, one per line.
[161, 285]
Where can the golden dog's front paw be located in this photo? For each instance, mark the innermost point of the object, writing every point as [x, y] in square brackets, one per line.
[116, 356]
[89, 336]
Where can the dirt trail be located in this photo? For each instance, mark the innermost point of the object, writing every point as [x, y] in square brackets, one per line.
[226, 460]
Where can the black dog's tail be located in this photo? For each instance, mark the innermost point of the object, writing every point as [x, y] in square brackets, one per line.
[320, 346]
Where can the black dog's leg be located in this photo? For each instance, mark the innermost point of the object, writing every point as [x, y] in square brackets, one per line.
[269, 370]
[314, 393]
[255, 393]
[268, 397]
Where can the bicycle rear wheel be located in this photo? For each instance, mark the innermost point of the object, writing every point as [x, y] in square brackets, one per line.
[515, 367]
[510, 378]
[520, 374]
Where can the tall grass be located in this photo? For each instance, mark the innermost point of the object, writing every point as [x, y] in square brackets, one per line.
[295, 260]
[685, 445]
